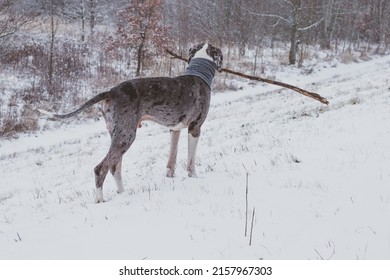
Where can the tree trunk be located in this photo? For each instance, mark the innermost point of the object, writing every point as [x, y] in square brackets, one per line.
[294, 31]
[82, 21]
[92, 19]
[294, 43]
[325, 38]
[325, 34]
[51, 51]
[140, 56]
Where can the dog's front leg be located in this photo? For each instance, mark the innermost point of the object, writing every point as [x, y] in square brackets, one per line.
[175, 134]
[192, 144]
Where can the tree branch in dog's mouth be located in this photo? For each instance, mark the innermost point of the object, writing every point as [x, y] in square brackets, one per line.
[264, 80]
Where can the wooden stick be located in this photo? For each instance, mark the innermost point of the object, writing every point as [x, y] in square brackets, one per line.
[174, 55]
[264, 80]
[297, 89]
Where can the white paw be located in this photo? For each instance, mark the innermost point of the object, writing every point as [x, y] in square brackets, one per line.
[99, 200]
[170, 173]
[192, 174]
[99, 195]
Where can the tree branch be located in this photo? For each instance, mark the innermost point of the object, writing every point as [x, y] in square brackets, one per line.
[2, 35]
[264, 80]
[11, 24]
[311, 26]
[267, 15]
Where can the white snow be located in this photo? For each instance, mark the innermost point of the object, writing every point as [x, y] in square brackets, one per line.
[318, 179]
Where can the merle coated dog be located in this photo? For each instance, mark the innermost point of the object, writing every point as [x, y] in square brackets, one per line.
[179, 102]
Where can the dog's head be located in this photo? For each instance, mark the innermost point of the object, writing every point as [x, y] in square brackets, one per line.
[209, 52]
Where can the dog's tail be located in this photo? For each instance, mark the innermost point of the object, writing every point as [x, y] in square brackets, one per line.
[89, 103]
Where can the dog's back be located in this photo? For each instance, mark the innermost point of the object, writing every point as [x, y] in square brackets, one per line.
[169, 101]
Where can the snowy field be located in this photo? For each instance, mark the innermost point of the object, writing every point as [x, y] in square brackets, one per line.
[318, 180]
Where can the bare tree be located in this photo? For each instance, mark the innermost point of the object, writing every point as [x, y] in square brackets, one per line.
[331, 11]
[139, 27]
[380, 15]
[290, 13]
[10, 20]
[177, 16]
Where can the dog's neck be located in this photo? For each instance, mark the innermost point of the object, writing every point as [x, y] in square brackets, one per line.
[202, 68]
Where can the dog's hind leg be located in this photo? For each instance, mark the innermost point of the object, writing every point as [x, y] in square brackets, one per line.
[116, 171]
[122, 136]
[118, 148]
[175, 134]
[100, 174]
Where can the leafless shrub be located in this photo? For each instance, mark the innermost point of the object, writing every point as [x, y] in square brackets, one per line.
[225, 85]
[15, 123]
[347, 56]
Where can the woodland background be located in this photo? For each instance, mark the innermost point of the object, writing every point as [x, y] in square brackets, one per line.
[57, 53]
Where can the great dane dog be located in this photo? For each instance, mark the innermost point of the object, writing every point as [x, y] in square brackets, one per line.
[179, 102]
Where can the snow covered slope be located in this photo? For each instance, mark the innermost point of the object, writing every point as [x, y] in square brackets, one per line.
[318, 180]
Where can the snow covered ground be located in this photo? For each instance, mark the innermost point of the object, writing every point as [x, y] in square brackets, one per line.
[318, 180]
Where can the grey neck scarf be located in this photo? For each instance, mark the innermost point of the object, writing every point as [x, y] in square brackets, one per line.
[202, 68]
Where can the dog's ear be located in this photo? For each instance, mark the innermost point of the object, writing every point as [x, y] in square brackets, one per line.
[193, 51]
[218, 59]
[217, 56]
